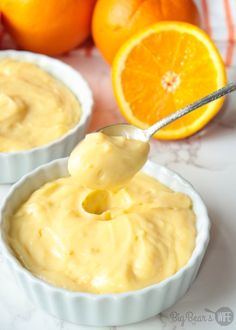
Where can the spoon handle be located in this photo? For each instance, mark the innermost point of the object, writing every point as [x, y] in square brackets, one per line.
[195, 105]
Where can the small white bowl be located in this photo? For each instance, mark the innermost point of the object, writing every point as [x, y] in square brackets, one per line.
[14, 165]
[104, 309]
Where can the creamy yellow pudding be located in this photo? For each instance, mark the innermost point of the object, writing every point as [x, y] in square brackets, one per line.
[101, 161]
[35, 107]
[104, 240]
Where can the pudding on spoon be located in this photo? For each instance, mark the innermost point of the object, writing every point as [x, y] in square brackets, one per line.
[102, 161]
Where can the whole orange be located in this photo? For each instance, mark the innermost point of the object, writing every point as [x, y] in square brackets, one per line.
[50, 27]
[114, 21]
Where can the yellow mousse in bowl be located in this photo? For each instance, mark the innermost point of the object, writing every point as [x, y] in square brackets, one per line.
[103, 238]
[36, 108]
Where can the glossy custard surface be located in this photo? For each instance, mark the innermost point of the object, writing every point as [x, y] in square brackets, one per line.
[36, 108]
[104, 240]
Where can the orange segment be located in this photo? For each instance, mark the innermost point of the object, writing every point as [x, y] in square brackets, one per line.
[164, 68]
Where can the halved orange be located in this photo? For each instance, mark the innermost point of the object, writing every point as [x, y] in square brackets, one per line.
[162, 69]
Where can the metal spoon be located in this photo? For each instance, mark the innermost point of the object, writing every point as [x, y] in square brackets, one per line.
[135, 133]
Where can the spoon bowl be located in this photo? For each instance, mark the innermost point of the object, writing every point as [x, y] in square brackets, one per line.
[126, 130]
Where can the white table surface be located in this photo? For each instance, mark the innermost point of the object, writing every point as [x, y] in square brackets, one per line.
[208, 161]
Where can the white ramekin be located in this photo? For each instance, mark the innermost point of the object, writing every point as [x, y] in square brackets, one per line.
[104, 309]
[13, 165]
